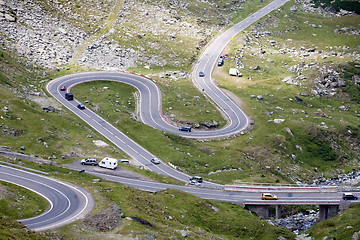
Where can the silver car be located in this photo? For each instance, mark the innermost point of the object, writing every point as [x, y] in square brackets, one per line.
[155, 161]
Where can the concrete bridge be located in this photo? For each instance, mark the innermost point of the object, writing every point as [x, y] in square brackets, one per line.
[327, 209]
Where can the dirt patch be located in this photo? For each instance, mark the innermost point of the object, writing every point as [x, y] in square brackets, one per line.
[46, 101]
[100, 143]
[106, 220]
[5, 193]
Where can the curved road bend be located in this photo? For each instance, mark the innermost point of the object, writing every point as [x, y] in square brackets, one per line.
[150, 101]
[67, 202]
[209, 58]
[150, 104]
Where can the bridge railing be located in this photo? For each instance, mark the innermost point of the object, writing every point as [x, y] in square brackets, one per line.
[250, 187]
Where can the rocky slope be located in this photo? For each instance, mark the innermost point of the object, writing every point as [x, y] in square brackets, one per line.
[51, 33]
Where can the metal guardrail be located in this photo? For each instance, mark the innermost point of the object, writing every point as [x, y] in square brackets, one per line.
[29, 169]
[348, 189]
[239, 183]
[277, 202]
[293, 188]
[16, 154]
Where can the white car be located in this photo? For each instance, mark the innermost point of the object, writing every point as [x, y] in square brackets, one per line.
[196, 180]
[89, 161]
[155, 161]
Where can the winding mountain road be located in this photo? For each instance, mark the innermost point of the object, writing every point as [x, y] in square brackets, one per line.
[68, 203]
[150, 101]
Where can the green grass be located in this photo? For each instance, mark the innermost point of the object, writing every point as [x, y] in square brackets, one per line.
[191, 156]
[227, 220]
[18, 203]
[202, 219]
[46, 134]
[241, 158]
[248, 8]
[21, 203]
[91, 18]
[12, 229]
[223, 161]
[343, 226]
[312, 146]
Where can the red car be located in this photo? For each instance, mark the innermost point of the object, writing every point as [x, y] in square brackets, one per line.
[62, 88]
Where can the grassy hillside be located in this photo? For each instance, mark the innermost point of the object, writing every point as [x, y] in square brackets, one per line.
[319, 134]
[23, 123]
[343, 226]
[127, 213]
[18, 203]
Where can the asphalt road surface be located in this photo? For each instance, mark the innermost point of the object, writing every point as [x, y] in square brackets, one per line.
[67, 203]
[304, 197]
[150, 101]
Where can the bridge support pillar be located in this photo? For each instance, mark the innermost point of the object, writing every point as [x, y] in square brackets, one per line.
[260, 210]
[327, 211]
[278, 211]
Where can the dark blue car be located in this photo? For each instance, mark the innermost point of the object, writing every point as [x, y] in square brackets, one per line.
[185, 129]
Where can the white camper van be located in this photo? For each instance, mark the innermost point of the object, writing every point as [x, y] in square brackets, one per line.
[108, 163]
[234, 72]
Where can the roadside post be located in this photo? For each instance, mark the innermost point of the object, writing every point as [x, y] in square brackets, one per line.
[81, 171]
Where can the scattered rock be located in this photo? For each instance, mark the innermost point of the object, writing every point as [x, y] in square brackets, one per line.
[291, 80]
[5, 109]
[355, 236]
[277, 121]
[289, 131]
[48, 109]
[344, 108]
[183, 233]
[298, 99]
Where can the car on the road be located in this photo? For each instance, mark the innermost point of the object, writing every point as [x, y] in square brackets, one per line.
[81, 106]
[196, 180]
[69, 96]
[89, 161]
[185, 129]
[155, 161]
[201, 74]
[62, 88]
[349, 196]
[268, 196]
